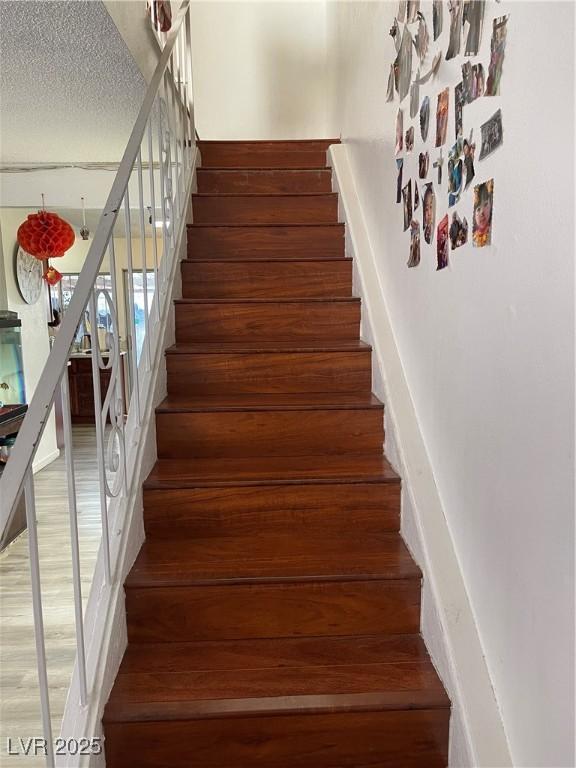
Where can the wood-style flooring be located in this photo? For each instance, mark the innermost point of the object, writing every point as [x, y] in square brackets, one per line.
[20, 715]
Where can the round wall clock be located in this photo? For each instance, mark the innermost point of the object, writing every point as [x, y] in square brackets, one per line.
[29, 271]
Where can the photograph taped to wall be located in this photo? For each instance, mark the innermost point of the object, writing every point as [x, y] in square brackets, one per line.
[399, 167]
[455, 11]
[416, 196]
[414, 99]
[413, 8]
[442, 243]
[414, 259]
[425, 117]
[399, 131]
[472, 82]
[423, 79]
[395, 34]
[409, 140]
[473, 19]
[482, 220]
[390, 90]
[469, 149]
[492, 135]
[454, 181]
[428, 211]
[497, 49]
[402, 10]
[458, 231]
[423, 163]
[458, 109]
[442, 117]
[403, 64]
[437, 17]
[438, 163]
[407, 200]
[422, 37]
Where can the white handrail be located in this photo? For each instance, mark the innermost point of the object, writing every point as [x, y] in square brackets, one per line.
[12, 481]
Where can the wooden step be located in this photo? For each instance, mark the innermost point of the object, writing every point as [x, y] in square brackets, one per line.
[271, 470]
[271, 557]
[264, 181]
[328, 510]
[292, 424]
[265, 209]
[256, 278]
[318, 599]
[265, 154]
[258, 241]
[260, 320]
[166, 681]
[382, 739]
[220, 369]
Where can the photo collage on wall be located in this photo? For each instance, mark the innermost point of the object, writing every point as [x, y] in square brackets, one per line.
[447, 189]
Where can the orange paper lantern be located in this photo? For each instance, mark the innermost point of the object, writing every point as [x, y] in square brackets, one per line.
[45, 235]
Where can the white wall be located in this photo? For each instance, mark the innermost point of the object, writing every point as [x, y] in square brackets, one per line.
[487, 345]
[259, 69]
[34, 317]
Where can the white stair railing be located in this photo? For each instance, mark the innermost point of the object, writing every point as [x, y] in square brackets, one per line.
[163, 142]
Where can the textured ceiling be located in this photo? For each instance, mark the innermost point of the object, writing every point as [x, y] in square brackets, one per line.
[69, 89]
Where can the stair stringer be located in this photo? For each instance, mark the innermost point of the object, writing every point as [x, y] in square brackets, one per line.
[477, 735]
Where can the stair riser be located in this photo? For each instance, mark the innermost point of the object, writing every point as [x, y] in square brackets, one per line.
[267, 280]
[269, 433]
[313, 609]
[258, 181]
[262, 156]
[294, 321]
[316, 510]
[388, 739]
[269, 372]
[265, 209]
[266, 242]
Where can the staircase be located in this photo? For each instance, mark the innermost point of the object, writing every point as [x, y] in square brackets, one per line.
[273, 611]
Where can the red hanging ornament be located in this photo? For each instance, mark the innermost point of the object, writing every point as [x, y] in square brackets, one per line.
[52, 276]
[45, 235]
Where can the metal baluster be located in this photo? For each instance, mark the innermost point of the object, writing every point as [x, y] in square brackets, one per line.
[180, 42]
[143, 255]
[72, 511]
[174, 141]
[133, 350]
[153, 214]
[38, 617]
[100, 438]
[188, 24]
[120, 385]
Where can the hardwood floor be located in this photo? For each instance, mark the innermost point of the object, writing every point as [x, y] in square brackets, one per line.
[19, 698]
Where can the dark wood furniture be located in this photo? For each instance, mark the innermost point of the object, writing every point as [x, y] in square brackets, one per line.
[82, 388]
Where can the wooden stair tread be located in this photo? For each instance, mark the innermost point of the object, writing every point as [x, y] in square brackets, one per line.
[264, 676]
[311, 300]
[304, 345]
[295, 401]
[280, 260]
[271, 225]
[221, 195]
[271, 470]
[270, 558]
[315, 143]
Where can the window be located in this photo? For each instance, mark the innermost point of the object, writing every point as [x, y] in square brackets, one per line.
[139, 303]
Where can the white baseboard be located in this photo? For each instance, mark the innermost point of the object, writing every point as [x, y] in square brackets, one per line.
[52, 456]
[477, 736]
